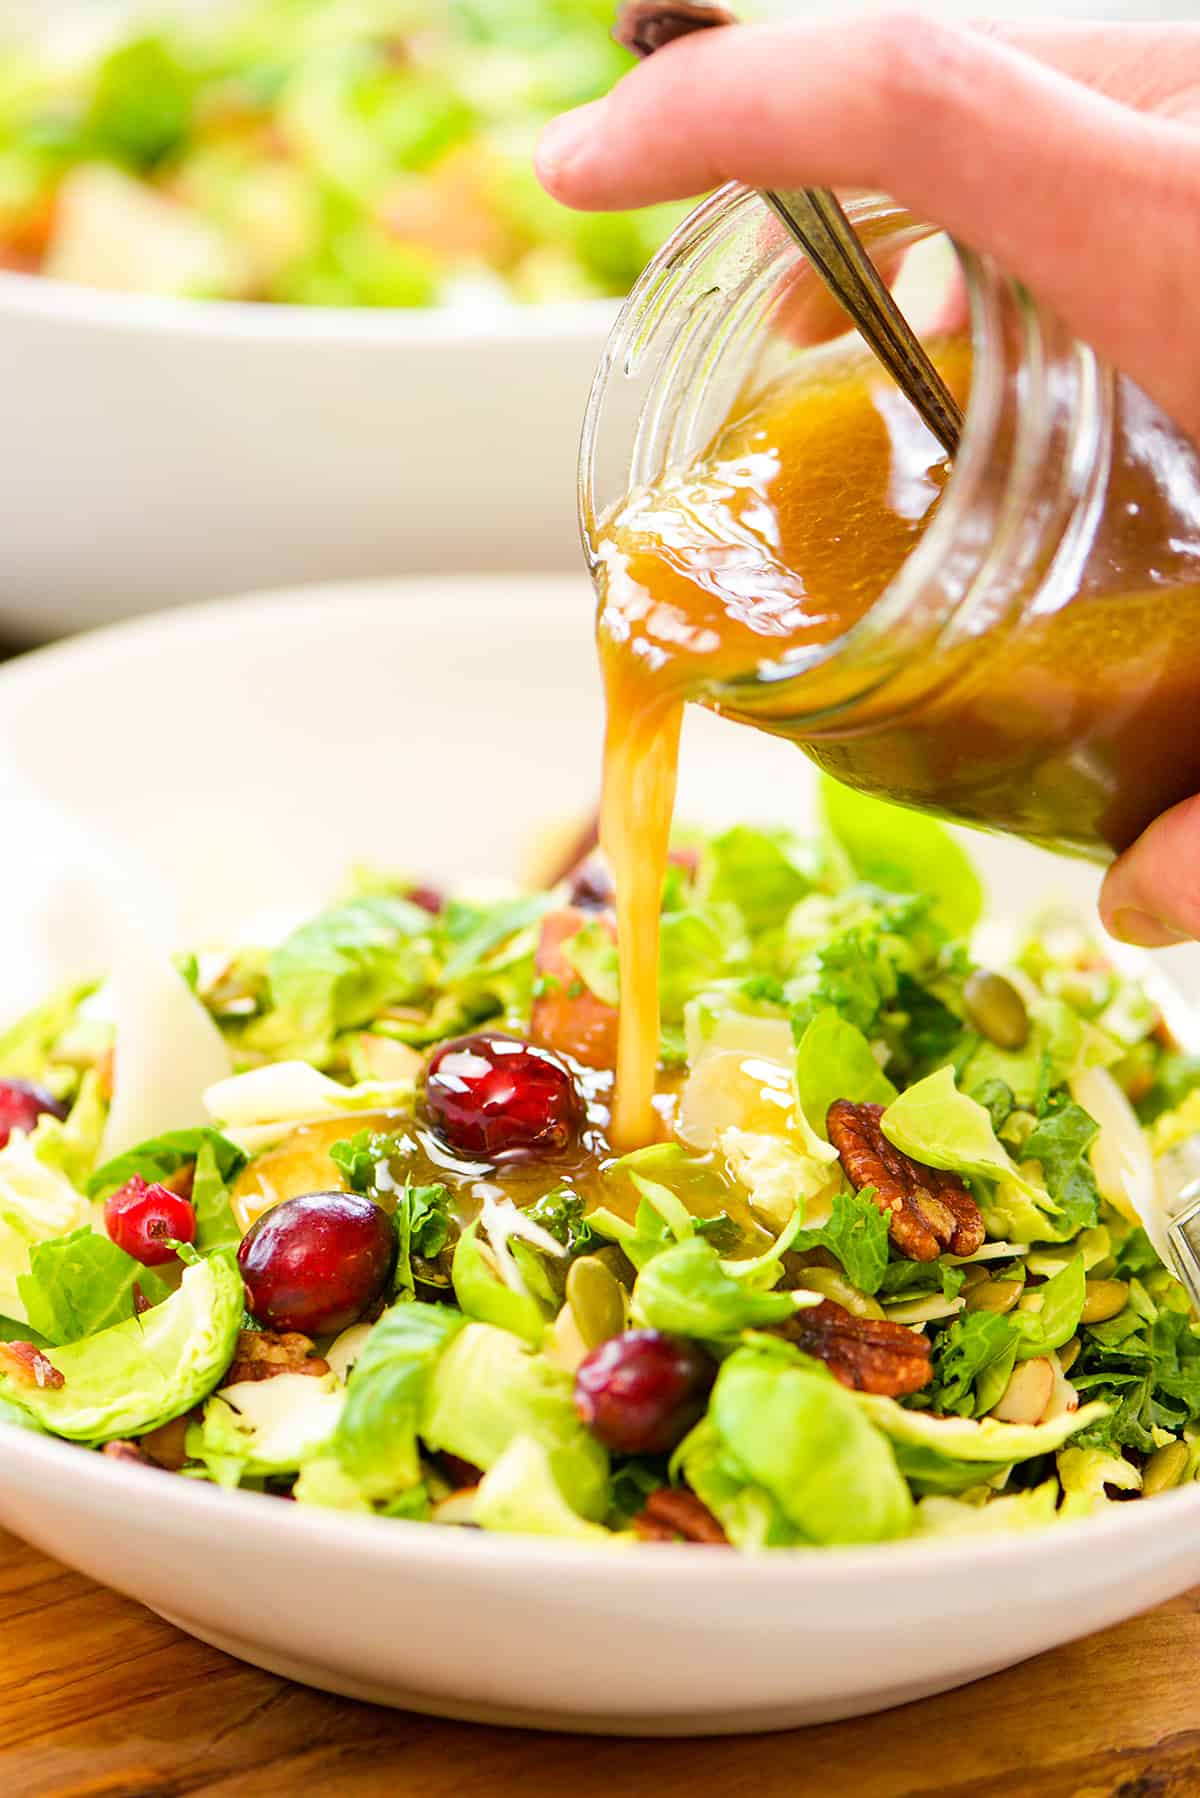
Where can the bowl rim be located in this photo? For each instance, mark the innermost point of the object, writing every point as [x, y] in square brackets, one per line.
[32, 296]
[399, 1539]
[308, 601]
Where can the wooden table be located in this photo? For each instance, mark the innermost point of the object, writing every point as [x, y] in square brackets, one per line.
[99, 1699]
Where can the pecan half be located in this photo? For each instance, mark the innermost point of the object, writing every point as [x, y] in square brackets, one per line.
[27, 1365]
[644, 26]
[261, 1354]
[672, 1514]
[167, 1445]
[125, 1451]
[866, 1353]
[927, 1210]
[182, 1180]
[462, 1475]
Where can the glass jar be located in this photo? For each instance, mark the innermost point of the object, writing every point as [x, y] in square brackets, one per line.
[1035, 665]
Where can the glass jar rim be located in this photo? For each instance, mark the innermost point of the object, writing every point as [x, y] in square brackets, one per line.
[871, 646]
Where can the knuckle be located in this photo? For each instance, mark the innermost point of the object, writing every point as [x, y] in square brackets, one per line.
[921, 68]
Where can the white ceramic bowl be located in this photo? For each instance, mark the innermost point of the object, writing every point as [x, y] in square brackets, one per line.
[156, 451]
[239, 756]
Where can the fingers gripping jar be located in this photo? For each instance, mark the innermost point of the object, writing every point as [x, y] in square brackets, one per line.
[1027, 657]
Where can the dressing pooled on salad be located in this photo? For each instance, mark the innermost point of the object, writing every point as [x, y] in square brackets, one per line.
[887, 1268]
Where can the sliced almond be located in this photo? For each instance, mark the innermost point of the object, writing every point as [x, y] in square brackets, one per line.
[458, 1508]
[1063, 1398]
[1028, 1392]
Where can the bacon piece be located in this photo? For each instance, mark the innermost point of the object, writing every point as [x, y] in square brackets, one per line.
[927, 1210]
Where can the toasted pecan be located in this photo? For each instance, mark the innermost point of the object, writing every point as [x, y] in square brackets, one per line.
[673, 1514]
[261, 1354]
[182, 1180]
[125, 1451]
[866, 1353]
[26, 1364]
[167, 1445]
[927, 1210]
[460, 1474]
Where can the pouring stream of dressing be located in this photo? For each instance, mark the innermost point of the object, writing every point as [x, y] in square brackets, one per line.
[780, 537]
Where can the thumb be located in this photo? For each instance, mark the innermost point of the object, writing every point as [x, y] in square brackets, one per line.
[1151, 896]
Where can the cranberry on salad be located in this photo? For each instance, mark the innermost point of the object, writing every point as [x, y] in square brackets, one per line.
[145, 1220]
[495, 1095]
[318, 1262]
[22, 1103]
[640, 1393]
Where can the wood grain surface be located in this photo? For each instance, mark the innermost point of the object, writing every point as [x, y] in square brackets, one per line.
[100, 1699]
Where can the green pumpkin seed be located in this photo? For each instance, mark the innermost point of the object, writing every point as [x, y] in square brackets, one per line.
[1165, 1468]
[1068, 1354]
[994, 1295]
[1103, 1299]
[835, 1286]
[996, 1009]
[596, 1299]
[612, 1257]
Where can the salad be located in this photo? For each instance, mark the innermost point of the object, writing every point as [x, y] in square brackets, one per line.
[349, 1230]
[316, 152]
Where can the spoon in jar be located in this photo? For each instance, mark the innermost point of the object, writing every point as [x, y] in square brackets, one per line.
[815, 218]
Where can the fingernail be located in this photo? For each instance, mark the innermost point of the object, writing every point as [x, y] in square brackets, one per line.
[1140, 927]
[566, 138]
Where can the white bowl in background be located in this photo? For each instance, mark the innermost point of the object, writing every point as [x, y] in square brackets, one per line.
[234, 757]
[155, 451]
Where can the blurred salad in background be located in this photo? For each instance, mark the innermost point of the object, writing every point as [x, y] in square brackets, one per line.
[315, 152]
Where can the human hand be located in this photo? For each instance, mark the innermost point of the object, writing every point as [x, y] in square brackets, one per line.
[1069, 154]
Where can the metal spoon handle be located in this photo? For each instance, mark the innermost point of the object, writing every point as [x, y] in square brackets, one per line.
[814, 216]
[816, 220]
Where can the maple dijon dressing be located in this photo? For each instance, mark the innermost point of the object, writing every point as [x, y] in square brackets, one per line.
[1072, 724]
[793, 523]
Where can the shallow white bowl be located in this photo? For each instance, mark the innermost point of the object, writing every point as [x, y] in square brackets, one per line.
[235, 757]
[156, 451]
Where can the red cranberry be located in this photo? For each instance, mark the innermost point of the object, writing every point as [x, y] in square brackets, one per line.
[22, 1104]
[496, 1095]
[143, 1219]
[640, 1393]
[317, 1262]
[428, 898]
